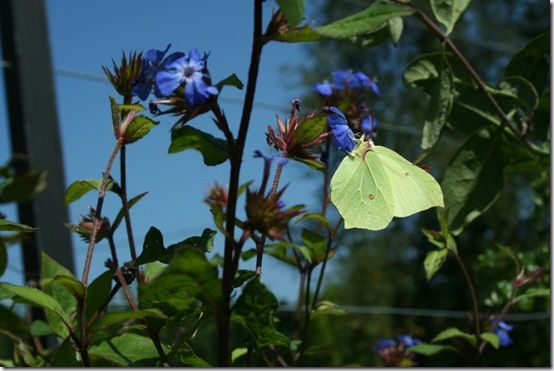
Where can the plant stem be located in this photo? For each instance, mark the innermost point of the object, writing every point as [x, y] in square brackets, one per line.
[276, 178]
[326, 257]
[236, 160]
[471, 291]
[127, 215]
[84, 280]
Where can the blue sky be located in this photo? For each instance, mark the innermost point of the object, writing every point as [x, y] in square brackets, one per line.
[86, 34]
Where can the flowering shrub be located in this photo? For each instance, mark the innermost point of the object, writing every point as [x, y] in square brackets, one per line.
[174, 292]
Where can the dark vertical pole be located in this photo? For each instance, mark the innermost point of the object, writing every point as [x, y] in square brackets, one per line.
[34, 129]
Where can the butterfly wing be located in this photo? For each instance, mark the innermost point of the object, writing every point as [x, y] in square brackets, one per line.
[413, 189]
[361, 192]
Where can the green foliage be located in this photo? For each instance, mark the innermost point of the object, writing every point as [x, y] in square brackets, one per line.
[138, 128]
[531, 62]
[124, 351]
[474, 178]
[22, 188]
[439, 106]
[231, 80]
[188, 276]
[434, 261]
[154, 250]
[453, 332]
[448, 12]
[430, 349]
[111, 324]
[214, 151]
[293, 11]
[121, 213]
[375, 183]
[254, 310]
[362, 24]
[491, 338]
[79, 188]
[3, 258]
[7, 225]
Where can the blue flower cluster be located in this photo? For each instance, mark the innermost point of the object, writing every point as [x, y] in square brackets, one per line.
[343, 137]
[405, 340]
[165, 75]
[343, 79]
[501, 330]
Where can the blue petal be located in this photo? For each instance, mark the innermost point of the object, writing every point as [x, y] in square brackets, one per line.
[172, 58]
[383, 344]
[198, 91]
[142, 90]
[504, 338]
[340, 78]
[343, 137]
[375, 88]
[360, 80]
[504, 326]
[167, 82]
[155, 56]
[368, 124]
[324, 88]
[408, 340]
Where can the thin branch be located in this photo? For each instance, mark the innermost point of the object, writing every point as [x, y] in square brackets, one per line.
[125, 202]
[471, 288]
[236, 160]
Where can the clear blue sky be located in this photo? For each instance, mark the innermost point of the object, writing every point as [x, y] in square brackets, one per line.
[86, 34]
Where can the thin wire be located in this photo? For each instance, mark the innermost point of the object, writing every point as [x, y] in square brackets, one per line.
[424, 312]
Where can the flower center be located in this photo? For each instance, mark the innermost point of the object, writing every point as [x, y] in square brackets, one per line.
[189, 71]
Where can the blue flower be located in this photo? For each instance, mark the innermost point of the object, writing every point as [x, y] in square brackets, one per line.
[190, 71]
[383, 344]
[501, 330]
[151, 64]
[324, 88]
[408, 340]
[343, 137]
[368, 124]
[269, 159]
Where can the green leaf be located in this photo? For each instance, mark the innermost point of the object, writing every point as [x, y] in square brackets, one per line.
[522, 90]
[205, 242]
[434, 261]
[315, 243]
[114, 106]
[316, 217]
[395, 25]
[65, 355]
[23, 187]
[532, 293]
[130, 107]
[214, 150]
[453, 332]
[138, 128]
[7, 225]
[300, 35]
[439, 106]
[3, 257]
[154, 250]
[327, 308]
[279, 251]
[189, 274]
[491, 338]
[79, 188]
[310, 129]
[50, 271]
[231, 80]
[121, 213]
[242, 276]
[474, 178]
[41, 328]
[367, 21]
[39, 299]
[237, 353]
[430, 349]
[293, 11]
[532, 62]
[254, 311]
[374, 184]
[98, 292]
[448, 12]
[111, 324]
[125, 350]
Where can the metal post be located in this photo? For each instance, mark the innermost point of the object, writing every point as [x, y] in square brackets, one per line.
[34, 129]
